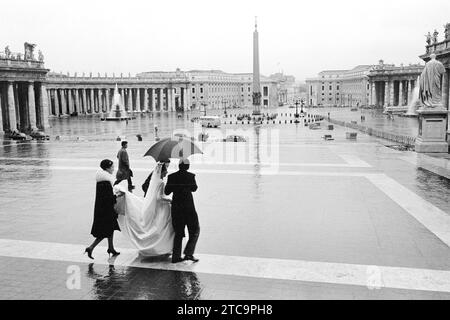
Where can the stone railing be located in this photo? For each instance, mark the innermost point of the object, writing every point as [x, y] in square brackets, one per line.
[13, 59]
[438, 46]
[399, 138]
[58, 78]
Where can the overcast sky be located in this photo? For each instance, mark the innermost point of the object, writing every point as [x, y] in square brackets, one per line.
[299, 37]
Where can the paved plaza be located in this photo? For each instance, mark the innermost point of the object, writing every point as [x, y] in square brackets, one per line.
[300, 218]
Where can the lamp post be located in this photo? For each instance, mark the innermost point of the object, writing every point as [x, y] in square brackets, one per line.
[224, 104]
[296, 109]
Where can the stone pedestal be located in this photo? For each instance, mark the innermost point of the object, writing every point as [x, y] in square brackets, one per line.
[432, 131]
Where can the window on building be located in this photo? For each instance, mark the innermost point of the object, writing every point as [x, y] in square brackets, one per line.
[193, 90]
[337, 87]
[201, 97]
[201, 90]
[248, 89]
[265, 91]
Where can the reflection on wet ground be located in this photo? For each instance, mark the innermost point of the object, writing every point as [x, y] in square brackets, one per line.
[318, 204]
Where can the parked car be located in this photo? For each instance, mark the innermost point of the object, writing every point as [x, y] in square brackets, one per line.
[16, 135]
[183, 135]
[210, 121]
[234, 138]
[38, 135]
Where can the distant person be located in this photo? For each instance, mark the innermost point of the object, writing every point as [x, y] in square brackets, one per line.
[124, 172]
[105, 217]
[182, 184]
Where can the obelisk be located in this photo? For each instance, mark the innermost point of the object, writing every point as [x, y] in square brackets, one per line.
[256, 81]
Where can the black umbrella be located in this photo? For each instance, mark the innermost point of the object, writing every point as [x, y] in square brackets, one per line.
[172, 148]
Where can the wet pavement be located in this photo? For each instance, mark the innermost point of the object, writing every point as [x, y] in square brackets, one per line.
[375, 119]
[284, 205]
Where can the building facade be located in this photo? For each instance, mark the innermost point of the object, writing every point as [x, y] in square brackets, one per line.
[286, 87]
[23, 93]
[30, 94]
[333, 88]
[391, 87]
[383, 86]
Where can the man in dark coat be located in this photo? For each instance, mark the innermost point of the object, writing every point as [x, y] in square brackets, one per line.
[182, 184]
[124, 172]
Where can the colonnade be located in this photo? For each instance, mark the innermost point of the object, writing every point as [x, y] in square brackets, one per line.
[23, 106]
[392, 93]
[65, 101]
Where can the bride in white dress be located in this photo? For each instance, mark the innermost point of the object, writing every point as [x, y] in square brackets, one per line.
[147, 222]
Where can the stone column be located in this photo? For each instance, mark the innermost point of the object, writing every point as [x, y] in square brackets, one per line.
[188, 98]
[44, 104]
[101, 101]
[387, 96]
[153, 99]
[1, 116]
[83, 101]
[130, 99]
[32, 106]
[97, 107]
[11, 107]
[172, 99]
[169, 99]
[49, 102]
[400, 93]
[160, 95]
[138, 100]
[183, 98]
[77, 100]
[57, 112]
[92, 104]
[63, 102]
[146, 104]
[108, 99]
[374, 92]
[410, 91]
[445, 98]
[70, 100]
[16, 103]
[445, 90]
[391, 93]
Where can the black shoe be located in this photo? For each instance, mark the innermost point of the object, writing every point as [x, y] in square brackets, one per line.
[89, 252]
[113, 252]
[176, 260]
[192, 258]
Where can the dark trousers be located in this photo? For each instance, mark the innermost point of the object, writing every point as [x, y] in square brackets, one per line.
[194, 232]
[130, 184]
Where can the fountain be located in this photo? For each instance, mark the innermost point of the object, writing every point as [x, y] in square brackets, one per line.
[118, 112]
[415, 103]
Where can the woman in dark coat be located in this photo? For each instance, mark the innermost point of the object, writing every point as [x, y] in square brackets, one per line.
[105, 217]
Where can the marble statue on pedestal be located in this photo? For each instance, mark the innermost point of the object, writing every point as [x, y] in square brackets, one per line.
[7, 52]
[447, 31]
[435, 36]
[430, 83]
[40, 56]
[29, 49]
[428, 36]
